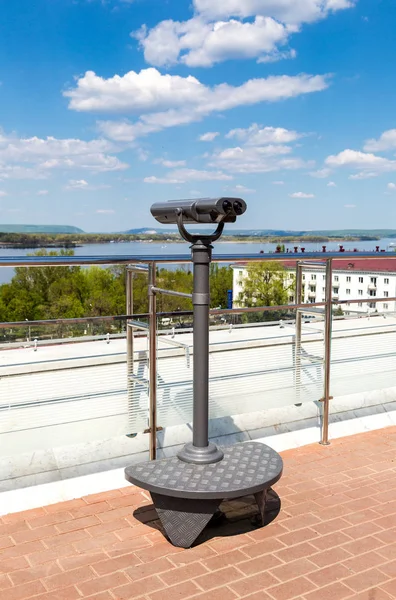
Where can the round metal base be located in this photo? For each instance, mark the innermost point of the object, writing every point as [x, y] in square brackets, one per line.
[200, 456]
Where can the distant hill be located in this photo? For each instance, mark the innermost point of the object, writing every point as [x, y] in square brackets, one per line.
[147, 231]
[39, 229]
[338, 233]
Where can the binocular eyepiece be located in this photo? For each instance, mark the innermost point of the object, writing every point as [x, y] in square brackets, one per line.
[201, 210]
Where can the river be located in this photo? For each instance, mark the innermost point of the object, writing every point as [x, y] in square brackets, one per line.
[145, 248]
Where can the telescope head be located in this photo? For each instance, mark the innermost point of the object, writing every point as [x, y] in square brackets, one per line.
[200, 210]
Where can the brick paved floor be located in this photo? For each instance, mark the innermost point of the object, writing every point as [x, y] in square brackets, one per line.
[334, 538]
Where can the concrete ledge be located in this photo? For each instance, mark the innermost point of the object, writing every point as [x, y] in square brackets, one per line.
[58, 491]
[57, 474]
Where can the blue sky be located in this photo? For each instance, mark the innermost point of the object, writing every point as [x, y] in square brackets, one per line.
[107, 106]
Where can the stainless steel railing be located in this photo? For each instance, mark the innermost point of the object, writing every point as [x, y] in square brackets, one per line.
[149, 264]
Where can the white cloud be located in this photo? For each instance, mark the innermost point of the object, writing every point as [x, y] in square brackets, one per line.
[287, 11]
[368, 164]
[256, 135]
[170, 164]
[105, 211]
[42, 193]
[49, 153]
[363, 175]
[3, 194]
[301, 195]
[386, 141]
[391, 186]
[155, 179]
[349, 205]
[184, 175]
[167, 100]
[320, 173]
[218, 31]
[331, 184]
[119, 131]
[278, 183]
[209, 136]
[358, 159]
[199, 43]
[31, 149]
[142, 154]
[19, 172]
[277, 55]
[256, 159]
[82, 184]
[241, 189]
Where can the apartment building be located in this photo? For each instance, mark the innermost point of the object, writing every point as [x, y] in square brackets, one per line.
[357, 279]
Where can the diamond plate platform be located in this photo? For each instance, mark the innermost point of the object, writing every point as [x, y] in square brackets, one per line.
[186, 495]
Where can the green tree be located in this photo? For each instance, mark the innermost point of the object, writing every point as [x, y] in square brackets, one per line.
[265, 285]
[220, 283]
[105, 293]
[178, 280]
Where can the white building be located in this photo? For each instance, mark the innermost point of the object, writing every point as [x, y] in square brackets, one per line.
[357, 279]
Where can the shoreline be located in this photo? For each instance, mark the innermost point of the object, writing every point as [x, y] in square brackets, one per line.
[166, 241]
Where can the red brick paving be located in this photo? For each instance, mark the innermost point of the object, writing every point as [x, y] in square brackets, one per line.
[334, 539]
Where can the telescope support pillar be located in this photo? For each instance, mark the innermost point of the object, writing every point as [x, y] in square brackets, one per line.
[201, 451]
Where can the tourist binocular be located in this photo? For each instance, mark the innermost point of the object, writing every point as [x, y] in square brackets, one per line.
[200, 210]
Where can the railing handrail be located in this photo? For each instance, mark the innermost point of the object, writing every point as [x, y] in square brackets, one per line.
[40, 261]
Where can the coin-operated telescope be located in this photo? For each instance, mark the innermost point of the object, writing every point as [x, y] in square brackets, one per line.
[217, 211]
[202, 210]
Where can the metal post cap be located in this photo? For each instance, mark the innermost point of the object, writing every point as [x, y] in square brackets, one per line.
[201, 455]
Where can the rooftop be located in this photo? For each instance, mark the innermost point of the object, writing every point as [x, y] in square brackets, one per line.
[334, 538]
[366, 265]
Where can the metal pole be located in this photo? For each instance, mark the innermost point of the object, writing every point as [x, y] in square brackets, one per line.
[201, 451]
[297, 349]
[201, 260]
[152, 361]
[327, 352]
[129, 337]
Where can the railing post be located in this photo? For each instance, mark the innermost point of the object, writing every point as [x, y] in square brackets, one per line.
[297, 341]
[152, 360]
[327, 351]
[129, 337]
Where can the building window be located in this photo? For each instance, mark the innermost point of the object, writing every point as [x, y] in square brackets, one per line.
[360, 304]
[312, 288]
[360, 292]
[323, 289]
[386, 294]
[240, 273]
[335, 291]
[313, 276]
[386, 281]
[291, 298]
[336, 278]
[347, 304]
[371, 304]
[373, 280]
[348, 291]
[348, 279]
[372, 293]
[303, 276]
[385, 306]
[360, 279]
